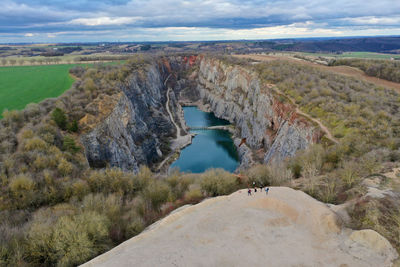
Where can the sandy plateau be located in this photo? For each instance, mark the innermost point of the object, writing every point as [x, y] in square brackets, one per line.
[285, 228]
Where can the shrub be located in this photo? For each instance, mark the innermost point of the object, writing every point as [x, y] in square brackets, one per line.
[32, 109]
[135, 227]
[80, 189]
[178, 184]
[35, 144]
[64, 167]
[69, 145]
[296, 169]
[96, 226]
[142, 179]
[349, 173]
[59, 117]
[13, 116]
[156, 194]
[280, 174]
[73, 126]
[217, 182]
[194, 194]
[40, 163]
[22, 189]
[89, 85]
[70, 243]
[260, 174]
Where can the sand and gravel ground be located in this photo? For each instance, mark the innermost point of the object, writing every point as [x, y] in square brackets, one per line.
[285, 228]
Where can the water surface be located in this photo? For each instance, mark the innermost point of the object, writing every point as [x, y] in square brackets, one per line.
[210, 148]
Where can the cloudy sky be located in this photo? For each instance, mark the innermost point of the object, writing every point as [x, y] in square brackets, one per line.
[185, 20]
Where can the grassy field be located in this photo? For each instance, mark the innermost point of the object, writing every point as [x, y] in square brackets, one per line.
[21, 85]
[368, 55]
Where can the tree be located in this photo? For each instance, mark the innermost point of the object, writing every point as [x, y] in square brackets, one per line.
[12, 61]
[3, 61]
[59, 118]
[69, 145]
[73, 126]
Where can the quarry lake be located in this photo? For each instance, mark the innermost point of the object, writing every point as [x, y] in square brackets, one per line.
[209, 148]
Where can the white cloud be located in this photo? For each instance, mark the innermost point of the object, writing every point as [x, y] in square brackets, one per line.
[104, 21]
[372, 20]
[29, 34]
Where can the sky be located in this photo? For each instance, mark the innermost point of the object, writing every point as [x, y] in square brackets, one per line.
[54, 21]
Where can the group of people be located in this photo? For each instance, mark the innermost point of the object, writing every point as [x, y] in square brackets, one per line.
[266, 189]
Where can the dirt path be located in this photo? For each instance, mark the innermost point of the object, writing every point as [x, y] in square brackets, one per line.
[325, 129]
[178, 130]
[181, 141]
[343, 70]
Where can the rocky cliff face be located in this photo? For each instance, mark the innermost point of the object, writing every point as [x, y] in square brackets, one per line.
[271, 127]
[132, 126]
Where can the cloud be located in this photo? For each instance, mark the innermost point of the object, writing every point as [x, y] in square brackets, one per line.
[206, 19]
[29, 34]
[101, 21]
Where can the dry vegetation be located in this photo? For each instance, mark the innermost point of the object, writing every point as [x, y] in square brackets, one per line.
[55, 210]
[384, 69]
[363, 117]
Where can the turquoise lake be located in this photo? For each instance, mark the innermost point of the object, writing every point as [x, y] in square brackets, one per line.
[209, 148]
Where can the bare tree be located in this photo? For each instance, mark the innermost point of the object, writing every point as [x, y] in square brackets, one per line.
[3, 61]
[12, 61]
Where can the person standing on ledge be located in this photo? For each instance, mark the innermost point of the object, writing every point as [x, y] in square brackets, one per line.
[266, 190]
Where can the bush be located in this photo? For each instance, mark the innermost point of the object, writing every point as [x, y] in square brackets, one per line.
[59, 118]
[178, 184]
[70, 243]
[216, 182]
[64, 167]
[22, 189]
[80, 189]
[135, 227]
[35, 144]
[69, 145]
[73, 126]
[156, 194]
[260, 174]
[194, 194]
[349, 173]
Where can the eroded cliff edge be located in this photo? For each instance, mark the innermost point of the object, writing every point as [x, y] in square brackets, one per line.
[271, 128]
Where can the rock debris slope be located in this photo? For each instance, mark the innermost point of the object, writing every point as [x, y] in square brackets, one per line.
[285, 228]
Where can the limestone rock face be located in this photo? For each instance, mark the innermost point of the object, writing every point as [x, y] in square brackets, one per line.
[267, 123]
[131, 133]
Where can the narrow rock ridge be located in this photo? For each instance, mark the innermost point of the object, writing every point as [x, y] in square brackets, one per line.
[272, 128]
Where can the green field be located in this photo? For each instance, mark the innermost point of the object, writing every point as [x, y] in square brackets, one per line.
[21, 85]
[367, 55]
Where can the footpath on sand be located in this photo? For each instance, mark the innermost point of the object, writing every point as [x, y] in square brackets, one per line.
[284, 228]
